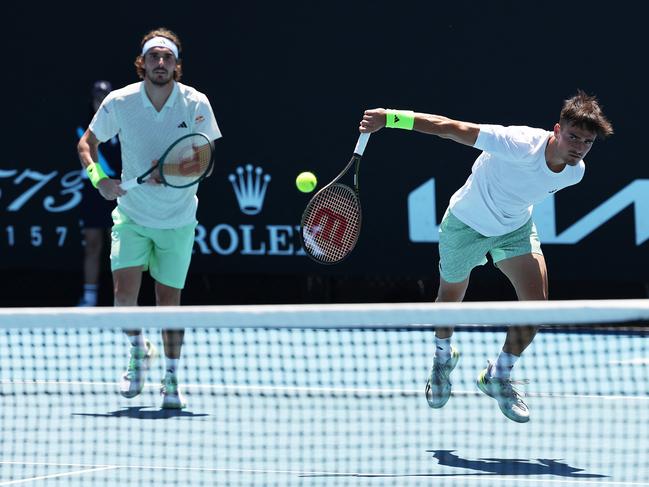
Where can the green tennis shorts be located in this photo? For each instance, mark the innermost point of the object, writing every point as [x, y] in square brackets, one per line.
[461, 248]
[165, 253]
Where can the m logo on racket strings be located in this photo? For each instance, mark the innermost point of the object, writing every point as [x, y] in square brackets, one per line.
[327, 222]
[190, 165]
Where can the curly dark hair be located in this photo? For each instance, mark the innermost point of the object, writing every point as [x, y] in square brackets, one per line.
[160, 32]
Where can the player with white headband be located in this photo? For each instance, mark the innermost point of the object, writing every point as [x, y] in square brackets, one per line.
[160, 41]
[153, 226]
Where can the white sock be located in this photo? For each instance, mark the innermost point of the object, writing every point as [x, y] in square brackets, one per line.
[137, 340]
[172, 365]
[90, 294]
[502, 369]
[442, 349]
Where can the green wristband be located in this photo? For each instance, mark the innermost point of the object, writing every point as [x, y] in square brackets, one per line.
[95, 173]
[400, 119]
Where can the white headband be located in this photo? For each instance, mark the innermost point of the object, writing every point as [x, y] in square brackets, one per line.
[160, 42]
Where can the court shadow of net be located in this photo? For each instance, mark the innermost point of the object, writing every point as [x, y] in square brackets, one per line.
[143, 412]
[508, 466]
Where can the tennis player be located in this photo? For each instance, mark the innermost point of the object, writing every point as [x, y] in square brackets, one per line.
[491, 214]
[153, 225]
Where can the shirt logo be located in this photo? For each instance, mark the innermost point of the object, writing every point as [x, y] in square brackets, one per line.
[182, 125]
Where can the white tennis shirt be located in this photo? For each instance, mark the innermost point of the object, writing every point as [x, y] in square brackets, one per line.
[507, 178]
[145, 134]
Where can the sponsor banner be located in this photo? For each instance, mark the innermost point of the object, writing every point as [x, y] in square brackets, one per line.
[256, 228]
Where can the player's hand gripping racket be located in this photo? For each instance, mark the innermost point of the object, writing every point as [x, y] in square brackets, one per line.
[186, 162]
[331, 222]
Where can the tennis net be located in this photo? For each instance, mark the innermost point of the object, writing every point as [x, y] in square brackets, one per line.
[325, 395]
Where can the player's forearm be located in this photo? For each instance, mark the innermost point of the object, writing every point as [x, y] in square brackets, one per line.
[88, 152]
[88, 157]
[463, 132]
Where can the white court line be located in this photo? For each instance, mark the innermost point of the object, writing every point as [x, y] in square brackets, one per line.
[45, 477]
[514, 479]
[296, 390]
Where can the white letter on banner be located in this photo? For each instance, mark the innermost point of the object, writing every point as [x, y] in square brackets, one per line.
[422, 213]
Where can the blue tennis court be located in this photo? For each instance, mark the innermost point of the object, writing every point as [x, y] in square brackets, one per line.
[323, 407]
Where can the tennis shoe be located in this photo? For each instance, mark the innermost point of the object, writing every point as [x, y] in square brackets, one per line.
[172, 398]
[438, 387]
[510, 400]
[135, 375]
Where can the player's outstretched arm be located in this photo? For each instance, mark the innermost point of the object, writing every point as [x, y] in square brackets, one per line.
[462, 132]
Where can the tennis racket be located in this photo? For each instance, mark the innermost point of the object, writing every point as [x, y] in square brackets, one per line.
[331, 222]
[186, 162]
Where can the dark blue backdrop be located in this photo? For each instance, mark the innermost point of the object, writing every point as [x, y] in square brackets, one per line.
[289, 82]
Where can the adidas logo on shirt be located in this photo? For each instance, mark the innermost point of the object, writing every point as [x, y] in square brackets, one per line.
[182, 125]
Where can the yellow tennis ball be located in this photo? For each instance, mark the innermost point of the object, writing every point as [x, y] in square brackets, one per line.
[306, 182]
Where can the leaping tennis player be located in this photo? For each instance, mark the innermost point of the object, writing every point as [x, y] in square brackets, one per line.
[153, 225]
[492, 214]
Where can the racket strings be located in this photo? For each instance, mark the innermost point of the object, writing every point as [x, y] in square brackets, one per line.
[187, 161]
[331, 224]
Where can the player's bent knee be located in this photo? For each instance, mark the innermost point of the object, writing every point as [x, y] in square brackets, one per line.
[451, 292]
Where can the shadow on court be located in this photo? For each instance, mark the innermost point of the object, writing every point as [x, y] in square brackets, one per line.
[506, 466]
[486, 466]
[142, 412]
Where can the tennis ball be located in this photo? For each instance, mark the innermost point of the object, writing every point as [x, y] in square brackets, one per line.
[306, 182]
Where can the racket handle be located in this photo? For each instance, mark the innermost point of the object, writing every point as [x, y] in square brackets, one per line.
[362, 142]
[131, 183]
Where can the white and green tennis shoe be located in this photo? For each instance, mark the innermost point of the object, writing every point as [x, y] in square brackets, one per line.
[133, 379]
[510, 400]
[438, 387]
[172, 398]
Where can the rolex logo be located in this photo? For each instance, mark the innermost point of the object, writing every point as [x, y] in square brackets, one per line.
[250, 188]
